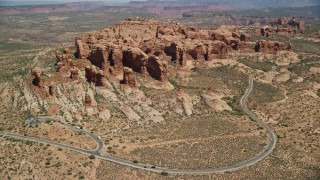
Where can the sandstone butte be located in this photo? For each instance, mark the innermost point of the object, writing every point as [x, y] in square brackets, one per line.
[145, 47]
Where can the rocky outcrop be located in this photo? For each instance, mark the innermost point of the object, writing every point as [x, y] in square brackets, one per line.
[230, 37]
[87, 100]
[291, 22]
[37, 80]
[186, 101]
[63, 56]
[216, 50]
[134, 58]
[316, 35]
[271, 46]
[145, 45]
[82, 49]
[284, 26]
[42, 89]
[51, 89]
[315, 70]
[95, 76]
[74, 73]
[244, 37]
[64, 61]
[214, 100]
[157, 69]
[128, 77]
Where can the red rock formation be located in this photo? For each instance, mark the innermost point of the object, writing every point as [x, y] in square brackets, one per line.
[64, 61]
[63, 56]
[196, 51]
[95, 76]
[174, 50]
[284, 26]
[316, 35]
[59, 66]
[82, 49]
[74, 73]
[290, 47]
[87, 100]
[99, 57]
[115, 58]
[135, 43]
[157, 69]
[37, 80]
[230, 37]
[217, 50]
[144, 70]
[235, 35]
[133, 58]
[234, 44]
[271, 46]
[244, 37]
[128, 77]
[51, 89]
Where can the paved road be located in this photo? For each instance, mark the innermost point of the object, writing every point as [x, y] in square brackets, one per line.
[248, 162]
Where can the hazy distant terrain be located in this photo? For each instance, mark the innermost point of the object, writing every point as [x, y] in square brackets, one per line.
[192, 120]
[255, 3]
[267, 3]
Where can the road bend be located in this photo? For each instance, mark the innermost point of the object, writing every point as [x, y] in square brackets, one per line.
[147, 167]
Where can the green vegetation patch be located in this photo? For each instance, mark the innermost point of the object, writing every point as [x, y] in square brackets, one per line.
[264, 66]
[264, 93]
[219, 77]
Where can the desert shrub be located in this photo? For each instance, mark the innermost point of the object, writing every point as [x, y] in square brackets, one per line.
[164, 173]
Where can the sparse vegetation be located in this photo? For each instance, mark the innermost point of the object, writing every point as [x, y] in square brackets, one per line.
[264, 66]
[207, 138]
[164, 173]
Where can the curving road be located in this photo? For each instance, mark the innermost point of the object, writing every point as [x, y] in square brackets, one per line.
[248, 162]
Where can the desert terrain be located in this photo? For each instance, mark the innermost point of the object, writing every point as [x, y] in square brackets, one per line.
[161, 92]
